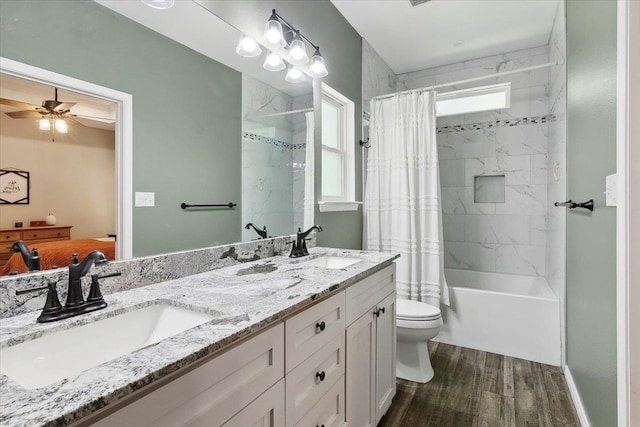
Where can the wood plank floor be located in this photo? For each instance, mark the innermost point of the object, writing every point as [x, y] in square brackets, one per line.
[476, 388]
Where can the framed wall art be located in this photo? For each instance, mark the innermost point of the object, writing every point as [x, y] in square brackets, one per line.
[14, 187]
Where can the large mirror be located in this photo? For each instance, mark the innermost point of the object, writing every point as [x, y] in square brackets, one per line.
[276, 129]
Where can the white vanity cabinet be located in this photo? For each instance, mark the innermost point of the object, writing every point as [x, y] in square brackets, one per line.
[331, 364]
[371, 348]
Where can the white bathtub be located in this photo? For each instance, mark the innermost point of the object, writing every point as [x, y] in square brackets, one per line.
[507, 314]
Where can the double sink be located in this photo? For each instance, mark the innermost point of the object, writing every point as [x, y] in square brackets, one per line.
[68, 352]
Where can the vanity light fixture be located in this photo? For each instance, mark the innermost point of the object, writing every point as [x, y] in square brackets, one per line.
[278, 33]
[248, 47]
[159, 4]
[297, 52]
[317, 68]
[295, 75]
[273, 62]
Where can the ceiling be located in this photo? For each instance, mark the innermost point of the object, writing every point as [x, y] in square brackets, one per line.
[440, 32]
[34, 93]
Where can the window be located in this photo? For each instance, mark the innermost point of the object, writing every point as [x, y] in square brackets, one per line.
[338, 159]
[474, 100]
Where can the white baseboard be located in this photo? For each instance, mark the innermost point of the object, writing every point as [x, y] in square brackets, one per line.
[575, 396]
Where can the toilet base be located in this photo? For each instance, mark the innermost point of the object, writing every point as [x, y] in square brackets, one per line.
[413, 362]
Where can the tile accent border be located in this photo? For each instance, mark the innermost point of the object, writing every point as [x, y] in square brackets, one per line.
[498, 124]
[272, 141]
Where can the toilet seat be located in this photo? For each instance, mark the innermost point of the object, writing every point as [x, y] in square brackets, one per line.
[416, 311]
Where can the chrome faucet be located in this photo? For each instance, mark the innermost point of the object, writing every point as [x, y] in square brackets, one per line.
[30, 258]
[299, 246]
[75, 304]
[262, 233]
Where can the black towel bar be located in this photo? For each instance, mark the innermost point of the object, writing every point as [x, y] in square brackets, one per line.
[226, 205]
[572, 205]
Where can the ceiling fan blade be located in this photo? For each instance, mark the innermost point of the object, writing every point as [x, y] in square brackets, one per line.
[24, 115]
[64, 106]
[18, 104]
[99, 119]
[74, 121]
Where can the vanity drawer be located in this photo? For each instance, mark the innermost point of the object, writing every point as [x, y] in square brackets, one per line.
[214, 391]
[329, 411]
[311, 330]
[367, 293]
[313, 378]
[266, 411]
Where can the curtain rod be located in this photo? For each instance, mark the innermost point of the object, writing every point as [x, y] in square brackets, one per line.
[284, 113]
[473, 79]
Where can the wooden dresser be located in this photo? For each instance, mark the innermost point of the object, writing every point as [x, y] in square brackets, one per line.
[31, 236]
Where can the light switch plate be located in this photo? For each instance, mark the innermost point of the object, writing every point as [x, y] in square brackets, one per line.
[611, 190]
[145, 199]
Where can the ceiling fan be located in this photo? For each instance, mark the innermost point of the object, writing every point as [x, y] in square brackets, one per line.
[51, 112]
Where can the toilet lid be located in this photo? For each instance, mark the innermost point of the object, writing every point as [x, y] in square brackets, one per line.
[415, 310]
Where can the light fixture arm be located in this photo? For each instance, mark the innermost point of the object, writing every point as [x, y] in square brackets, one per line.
[292, 29]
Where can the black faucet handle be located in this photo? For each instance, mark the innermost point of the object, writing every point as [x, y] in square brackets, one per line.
[74, 259]
[106, 276]
[28, 291]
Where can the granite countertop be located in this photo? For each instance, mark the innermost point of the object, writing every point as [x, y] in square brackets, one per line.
[244, 299]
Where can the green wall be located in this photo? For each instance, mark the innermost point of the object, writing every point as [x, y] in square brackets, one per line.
[591, 251]
[186, 112]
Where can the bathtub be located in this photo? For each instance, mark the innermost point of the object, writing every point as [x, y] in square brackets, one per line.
[507, 314]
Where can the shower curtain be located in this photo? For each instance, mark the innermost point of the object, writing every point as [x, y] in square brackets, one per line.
[402, 197]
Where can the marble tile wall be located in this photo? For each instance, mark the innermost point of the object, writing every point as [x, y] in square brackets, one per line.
[509, 237]
[556, 244]
[271, 167]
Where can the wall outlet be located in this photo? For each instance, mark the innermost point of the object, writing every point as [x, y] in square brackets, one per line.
[611, 190]
[145, 199]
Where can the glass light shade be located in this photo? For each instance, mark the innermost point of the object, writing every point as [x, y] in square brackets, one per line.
[273, 62]
[159, 4]
[317, 68]
[294, 75]
[273, 31]
[297, 52]
[44, 124]
[61, 126]
[248, 47]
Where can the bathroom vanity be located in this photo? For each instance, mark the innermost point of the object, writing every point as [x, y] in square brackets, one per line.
[277, 342]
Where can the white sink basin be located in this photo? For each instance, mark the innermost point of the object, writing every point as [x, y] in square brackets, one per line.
[67, 353]
[331, 262]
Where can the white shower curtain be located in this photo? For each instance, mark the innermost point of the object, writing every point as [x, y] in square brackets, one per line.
[308, 173]
[402, 197]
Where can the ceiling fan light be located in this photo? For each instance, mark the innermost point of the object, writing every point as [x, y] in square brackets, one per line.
[61, 126]
[248, 47]
[295, 75]
[273, 31]
[44, 124]
[297, 52]
[159, 4]
[273, 62]
[317, 68]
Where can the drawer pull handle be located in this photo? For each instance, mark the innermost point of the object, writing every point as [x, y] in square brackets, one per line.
[320, 326]
[320, 375]
[382, 310]
[377, 312]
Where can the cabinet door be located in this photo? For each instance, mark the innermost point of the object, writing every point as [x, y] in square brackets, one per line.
[361, 371]
[385, 355]
[266, 411]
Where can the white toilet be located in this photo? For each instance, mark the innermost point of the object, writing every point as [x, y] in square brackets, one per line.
[416, 323]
